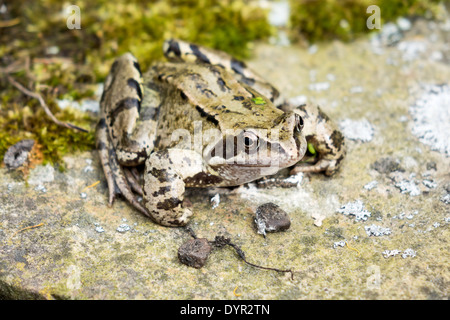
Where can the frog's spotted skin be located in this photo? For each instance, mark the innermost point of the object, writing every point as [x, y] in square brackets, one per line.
[155, 121]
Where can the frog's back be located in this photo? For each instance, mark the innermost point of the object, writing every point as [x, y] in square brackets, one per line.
[215, 95]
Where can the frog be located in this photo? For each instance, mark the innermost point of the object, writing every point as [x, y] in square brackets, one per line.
[202, 118]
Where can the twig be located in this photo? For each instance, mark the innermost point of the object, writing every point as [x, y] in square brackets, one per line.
[221, 241]
[37, 96]
[26, 228]
[92, 185]
[236, 294]
[351, 248]
[9, 23]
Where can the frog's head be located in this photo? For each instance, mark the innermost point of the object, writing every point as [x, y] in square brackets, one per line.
[247, 153]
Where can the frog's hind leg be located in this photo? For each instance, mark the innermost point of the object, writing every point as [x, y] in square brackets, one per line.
[105, 149]
[126, 130]
[115, 176]
[177, 50]
[133, 181]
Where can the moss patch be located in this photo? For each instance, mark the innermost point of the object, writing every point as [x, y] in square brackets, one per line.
[346, 20]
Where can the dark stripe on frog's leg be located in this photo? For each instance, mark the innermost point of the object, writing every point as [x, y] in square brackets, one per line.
[134, 84]
[104, 149]
[124, 104]
[138, 68]
[171, 49]
[199, 54]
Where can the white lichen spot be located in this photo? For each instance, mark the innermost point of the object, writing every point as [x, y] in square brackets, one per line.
[403, 23]
[411, 50]
[391, 253]
[319, 86]
[356, 89]
[371, 185]
[123, 228]
[377, 231]
[408, 253]
[408, 186]
[339, 244]
[215, 201]
[298, 100]
[358, 130]
[40, 188]
[446, 199]
[429, 184]
[431, 116]
[356, 209]
[279, 12]
[295, 179]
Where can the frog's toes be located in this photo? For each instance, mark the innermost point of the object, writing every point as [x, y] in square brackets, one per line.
[328, 167]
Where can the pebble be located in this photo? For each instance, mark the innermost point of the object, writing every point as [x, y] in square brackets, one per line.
[17, 154]
[194, 252]
[386, 165]
[271, 218]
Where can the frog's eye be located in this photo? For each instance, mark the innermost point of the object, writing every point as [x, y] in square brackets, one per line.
[251, 141]
[298, 123]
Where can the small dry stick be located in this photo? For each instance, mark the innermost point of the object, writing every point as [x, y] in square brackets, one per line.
[92, 185]
[351, 248]
[26, 228]
[221, 241]
[9, 23]
[37, 96]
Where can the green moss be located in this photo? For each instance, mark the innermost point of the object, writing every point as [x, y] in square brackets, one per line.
[345, 20]
[29, 121]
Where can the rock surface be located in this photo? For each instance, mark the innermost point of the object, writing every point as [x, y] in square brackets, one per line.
[60, 240]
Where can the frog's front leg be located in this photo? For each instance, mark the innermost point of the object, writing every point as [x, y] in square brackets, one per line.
[167, 173]
[326, 145]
